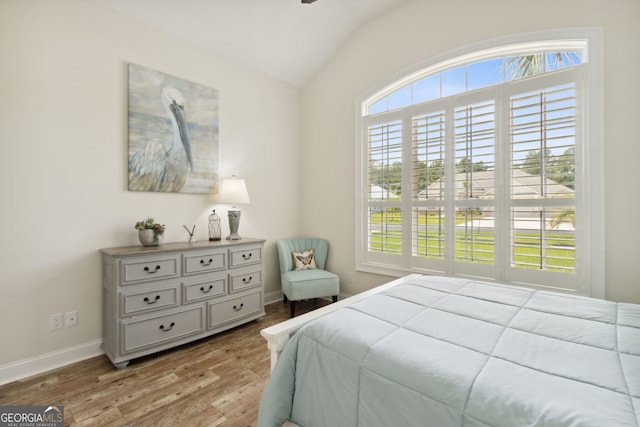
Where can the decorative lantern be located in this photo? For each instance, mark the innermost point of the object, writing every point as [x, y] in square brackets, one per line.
[215, 233]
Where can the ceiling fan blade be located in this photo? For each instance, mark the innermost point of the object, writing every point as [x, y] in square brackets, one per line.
[308, 1]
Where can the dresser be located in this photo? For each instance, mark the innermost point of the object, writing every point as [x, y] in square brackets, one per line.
[158, 297]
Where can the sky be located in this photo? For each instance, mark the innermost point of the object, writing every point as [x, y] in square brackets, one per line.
[462, 79]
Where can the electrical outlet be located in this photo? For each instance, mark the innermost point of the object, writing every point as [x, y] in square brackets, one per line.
[55, 321]
[71, 318]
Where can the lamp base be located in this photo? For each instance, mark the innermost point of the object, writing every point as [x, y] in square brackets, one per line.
[234, 224]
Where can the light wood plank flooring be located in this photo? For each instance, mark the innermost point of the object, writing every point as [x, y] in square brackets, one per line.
[217, 381]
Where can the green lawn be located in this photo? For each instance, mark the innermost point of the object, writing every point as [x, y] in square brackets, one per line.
[559, 256]
[393, 217]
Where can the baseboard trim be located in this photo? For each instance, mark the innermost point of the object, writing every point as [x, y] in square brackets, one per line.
[45, 362]
[271, 297]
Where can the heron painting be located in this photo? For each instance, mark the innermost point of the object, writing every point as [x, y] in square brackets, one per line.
[173, 134]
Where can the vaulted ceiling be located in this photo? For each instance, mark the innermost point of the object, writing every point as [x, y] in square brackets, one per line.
[283, 38]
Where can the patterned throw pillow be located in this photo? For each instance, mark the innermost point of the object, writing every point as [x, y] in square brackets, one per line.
[305, 260]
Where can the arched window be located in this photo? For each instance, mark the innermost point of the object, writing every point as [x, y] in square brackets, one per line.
[480, 165]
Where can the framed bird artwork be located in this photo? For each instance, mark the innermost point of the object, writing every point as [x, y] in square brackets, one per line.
[173, 134]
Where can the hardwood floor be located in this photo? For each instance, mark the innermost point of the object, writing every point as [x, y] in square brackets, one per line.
[217, 381]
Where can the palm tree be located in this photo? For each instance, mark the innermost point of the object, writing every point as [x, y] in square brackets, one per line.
[530, 65]
[567, 215]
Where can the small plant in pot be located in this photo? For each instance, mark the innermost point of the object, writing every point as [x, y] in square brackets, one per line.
[149, 232]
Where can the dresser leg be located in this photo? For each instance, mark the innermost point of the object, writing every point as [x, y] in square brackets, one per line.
[121, 365]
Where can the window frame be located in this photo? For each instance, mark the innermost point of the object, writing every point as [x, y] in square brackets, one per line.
[590, 199]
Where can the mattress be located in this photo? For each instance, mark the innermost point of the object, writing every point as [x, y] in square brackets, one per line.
[451, 352]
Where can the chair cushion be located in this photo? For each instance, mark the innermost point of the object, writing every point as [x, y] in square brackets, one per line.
[304, 260]
[306, 284]
[286, 246]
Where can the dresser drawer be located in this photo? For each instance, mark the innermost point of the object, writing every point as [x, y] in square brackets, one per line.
[210, 286]
[204, 262]
[145, 300]
[245, 256]
[138, 270]
[244, 280]
[234, 309]
[140, 333]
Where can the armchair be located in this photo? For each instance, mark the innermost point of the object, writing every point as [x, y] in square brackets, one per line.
[306, 282]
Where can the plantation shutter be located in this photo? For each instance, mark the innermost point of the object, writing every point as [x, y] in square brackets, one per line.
[428, 184]
[543, 132]
[384, 141]
[474, 182]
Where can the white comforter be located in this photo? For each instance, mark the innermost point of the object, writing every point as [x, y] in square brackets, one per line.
[450, 352]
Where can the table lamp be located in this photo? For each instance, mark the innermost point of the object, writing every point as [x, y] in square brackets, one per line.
[233, 191]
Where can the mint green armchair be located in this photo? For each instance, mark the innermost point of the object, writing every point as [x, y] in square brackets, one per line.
[306, 283]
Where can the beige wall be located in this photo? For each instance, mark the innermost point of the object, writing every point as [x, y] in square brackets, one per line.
[421, 29]
[63, 154]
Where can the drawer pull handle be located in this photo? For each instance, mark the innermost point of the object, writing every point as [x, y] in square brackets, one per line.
[163, 329]
[206, 291]
[148, 270]
[245, 280]
[247, 257]
[238, 308]
[148, 301]
[207, 263]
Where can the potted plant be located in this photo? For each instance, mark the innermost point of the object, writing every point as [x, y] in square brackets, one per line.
[149, 232]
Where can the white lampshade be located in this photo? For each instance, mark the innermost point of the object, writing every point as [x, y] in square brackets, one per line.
[233, 191]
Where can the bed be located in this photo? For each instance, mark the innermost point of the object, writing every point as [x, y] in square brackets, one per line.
[428, 350]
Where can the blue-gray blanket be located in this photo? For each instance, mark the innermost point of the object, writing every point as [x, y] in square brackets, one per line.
[435, 351]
